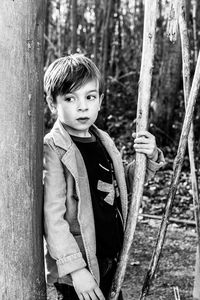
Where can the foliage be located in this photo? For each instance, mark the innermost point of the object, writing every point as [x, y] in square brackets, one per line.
[122, 62]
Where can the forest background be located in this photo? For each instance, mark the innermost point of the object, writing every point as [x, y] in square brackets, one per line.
[110, 33]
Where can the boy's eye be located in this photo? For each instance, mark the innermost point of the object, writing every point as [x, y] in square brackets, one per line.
[91, 97]
[69, 99]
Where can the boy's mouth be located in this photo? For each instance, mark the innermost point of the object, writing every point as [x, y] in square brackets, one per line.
[82, 120]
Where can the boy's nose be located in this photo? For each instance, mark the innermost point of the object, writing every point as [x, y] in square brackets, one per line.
[82, 104]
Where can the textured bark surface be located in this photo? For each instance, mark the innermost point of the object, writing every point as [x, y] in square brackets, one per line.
[21, 131]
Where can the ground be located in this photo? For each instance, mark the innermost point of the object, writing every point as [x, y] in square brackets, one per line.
[176, 267]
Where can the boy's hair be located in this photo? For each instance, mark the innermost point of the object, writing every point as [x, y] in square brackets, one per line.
[68, 73]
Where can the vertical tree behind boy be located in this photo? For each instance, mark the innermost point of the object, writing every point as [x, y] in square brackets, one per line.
[74, 26]
[21, 131]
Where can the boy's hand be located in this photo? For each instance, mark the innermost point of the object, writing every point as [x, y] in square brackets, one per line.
[86, 286]
[145, 142]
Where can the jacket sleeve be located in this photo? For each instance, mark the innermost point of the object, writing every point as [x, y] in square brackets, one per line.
[61, 244]
[152, 168]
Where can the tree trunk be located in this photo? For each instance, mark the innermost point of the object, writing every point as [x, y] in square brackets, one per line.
[105, 48]
[58, 29]
[96, 41]
[74, 26]
[164, 97]
[21, 131]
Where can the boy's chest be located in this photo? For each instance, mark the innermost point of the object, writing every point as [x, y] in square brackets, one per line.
[99, 170]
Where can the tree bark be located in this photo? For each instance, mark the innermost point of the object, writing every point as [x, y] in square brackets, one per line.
[142, 123]
[21, 131]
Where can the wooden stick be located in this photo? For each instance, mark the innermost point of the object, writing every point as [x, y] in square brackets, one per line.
[194, 23]
[176, 293]
[51, 45]
[175, 178]
[171, 220]
[172, 25]
[191, 143]
[151, 8]
[196, 289]
[186, 85]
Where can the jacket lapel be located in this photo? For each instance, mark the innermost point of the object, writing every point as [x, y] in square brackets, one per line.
[72, 158]
[118, 168]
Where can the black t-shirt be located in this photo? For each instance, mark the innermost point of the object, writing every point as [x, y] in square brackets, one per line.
[105, 201]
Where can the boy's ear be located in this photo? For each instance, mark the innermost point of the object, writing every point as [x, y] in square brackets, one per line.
[100, 100]
[51, 104]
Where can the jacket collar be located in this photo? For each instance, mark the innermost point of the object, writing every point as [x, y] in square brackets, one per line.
[63, 140]
[60, 136]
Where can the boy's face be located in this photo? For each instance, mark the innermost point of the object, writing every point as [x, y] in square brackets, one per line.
[79, 109]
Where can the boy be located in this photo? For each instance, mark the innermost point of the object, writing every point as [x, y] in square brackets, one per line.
[85, 197]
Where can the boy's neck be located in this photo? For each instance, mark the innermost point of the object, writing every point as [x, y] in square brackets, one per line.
[86, 134]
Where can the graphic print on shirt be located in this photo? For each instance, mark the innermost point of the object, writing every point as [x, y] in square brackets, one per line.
[107, 188]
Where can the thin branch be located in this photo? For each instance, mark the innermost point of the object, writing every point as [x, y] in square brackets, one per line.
[186, 85]
[176, 293]
[171, 220]
[194, 23]
[172, 25]
[51, 45]
[142, 121]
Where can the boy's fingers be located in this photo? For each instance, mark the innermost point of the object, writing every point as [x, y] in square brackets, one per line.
[144, 133]
[85, 296]
[93, 296]
[80, 296]
[99, 294]
[143, 146]
[142, 140]
[134, 135]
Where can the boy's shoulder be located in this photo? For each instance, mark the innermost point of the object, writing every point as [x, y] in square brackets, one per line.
[49, 143]
[48, 138]
[58, 137]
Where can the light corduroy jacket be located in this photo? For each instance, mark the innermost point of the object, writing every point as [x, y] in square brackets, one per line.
[68, 214]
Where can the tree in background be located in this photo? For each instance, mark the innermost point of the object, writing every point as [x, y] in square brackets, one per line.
[164, 97]
[74, 26]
